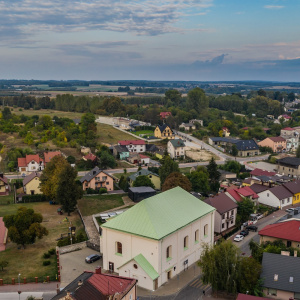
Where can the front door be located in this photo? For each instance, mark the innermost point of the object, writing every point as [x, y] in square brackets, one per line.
[169, 275]
[156, 284]
[111, 267]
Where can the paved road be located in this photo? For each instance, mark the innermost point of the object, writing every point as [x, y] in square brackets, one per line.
[23, 296]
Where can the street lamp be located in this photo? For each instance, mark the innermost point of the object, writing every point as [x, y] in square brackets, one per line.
[19, 291]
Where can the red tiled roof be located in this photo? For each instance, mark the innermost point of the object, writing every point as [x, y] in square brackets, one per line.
[287, 230]
[23, 162]
[165, 114]
[143, 156]
[259, 172]
[249, 297]
[91, 157]
[235, 195]
[49, 155]
[245, 128]
[245, 191]
[276, 138]
[225, 128]
[131, 142]
[288, 128]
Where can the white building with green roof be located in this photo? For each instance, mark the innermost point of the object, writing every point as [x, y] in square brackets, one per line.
[157, 238]
[176, 148]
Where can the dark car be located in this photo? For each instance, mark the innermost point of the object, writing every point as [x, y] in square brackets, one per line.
[252, 228]
[244, 232]
[93, 257]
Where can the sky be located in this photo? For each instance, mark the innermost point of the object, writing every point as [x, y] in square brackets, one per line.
[201, 40]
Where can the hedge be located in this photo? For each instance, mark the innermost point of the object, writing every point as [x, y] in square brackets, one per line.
[34, 198]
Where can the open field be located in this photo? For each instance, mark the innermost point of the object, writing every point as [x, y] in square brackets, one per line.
[5, 199]
[198, 154]
[29, 261]
[49, 112]
[90, 205]
[146, 132]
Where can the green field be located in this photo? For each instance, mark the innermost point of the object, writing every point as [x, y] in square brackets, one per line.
[146, 132]
[90, 205]
[49, 112]
[29, 261]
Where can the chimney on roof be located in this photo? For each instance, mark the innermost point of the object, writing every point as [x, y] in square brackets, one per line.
[285, 253]
[80, 282]
[98, 270]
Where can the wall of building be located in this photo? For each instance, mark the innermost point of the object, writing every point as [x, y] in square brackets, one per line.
[288, 171]
[33, 185]
[96, 184]
[280, 294]
[155, 180]
[264, 239]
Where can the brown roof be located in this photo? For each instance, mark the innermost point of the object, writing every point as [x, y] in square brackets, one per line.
[293, 186]
[221, 202]
[249, 297]
[258, 188]
[276, 139]
[281, 192]
[49, 155]
[30, 177]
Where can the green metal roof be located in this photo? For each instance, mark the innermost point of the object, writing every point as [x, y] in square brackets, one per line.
[160, 215]
[145, 265]
[177, 143]
[142, 172]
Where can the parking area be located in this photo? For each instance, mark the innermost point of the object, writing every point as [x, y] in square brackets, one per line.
[73, 264]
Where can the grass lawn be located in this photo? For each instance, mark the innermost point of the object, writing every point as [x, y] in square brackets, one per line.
[147, 132]
[5, 199]
[185, 170]
[118, 175]
[90, 205]
[29, 261]
[123, 164]
[49, 112]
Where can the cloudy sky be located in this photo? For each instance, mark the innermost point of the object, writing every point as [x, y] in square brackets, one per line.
[150, 39]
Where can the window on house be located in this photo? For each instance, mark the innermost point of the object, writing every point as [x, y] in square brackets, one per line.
[119, 248]
[197, 235]
[186, 242]
[283, 201]
[205, 230]
[275, 277]
[223, 225]
[267, 194]
[86, 184]
[232, 212]
[104, 178]
[169, 252]
[223, 217]
[272, 292]
[231, 222]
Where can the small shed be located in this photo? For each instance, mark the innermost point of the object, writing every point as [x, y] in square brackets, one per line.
[137, 194]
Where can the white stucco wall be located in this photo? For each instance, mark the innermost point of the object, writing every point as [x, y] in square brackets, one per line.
[268, 198]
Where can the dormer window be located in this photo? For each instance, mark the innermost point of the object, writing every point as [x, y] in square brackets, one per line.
[275, 277]
[291, 279]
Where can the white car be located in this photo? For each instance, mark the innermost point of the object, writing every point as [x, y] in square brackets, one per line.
[238, 238]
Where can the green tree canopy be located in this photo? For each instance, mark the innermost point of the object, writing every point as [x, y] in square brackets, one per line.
[25, 226]
[177, 179]
[168, 166]
[214, 175]
[245, 209]
[143, 180]
[199, 181]
[197, 99]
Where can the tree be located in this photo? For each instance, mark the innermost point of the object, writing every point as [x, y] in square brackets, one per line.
[177, 179]
[298, 152]
[106, 160]
[245, 209]
[88, 122]
[234, 150]
[25, 226]
[68, 190]
[232, 166]
[46, 122]
[197, 100]
[168, 166]
[123, 183]
[174, 96]
[71, 159]
[199, 181]
[143, 180]
[214, 175]
[6, 113]
[3, 264]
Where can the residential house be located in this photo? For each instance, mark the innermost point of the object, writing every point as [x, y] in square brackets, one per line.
[250, 297]
[225, 131]
[238, 194]
[260, 172]
[193, 121]
[121, 152]
[160, 154]
[280, 276]
[276, 143]
[31, 184]
[294, 187]
[145, 160]
[96, 179]
[134, 158]
[90, 285]
[4, 186]
[225, 175]
[176, 148]
[245, 147]
[285, 118]
[49, 155]
[93, 158]
[289, 132]
[287, 231]
[226, 210]
[292, 143]
[277, 196]
[30, 163]
[144, 172]
[136, 146]
[163, 132]
[258, 188]
[289, 166]
[137, 194]
[158, 238]
[165, 114]
[151, 148]
[187, 126]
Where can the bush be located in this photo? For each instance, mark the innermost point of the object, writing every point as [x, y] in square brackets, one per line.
[46, 262]
[92, 191]
[103, 190]
[46, 255]
[51, 251]
[34, 198]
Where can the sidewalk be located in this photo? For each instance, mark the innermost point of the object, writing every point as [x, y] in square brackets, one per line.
[174, 285]
[30, 287]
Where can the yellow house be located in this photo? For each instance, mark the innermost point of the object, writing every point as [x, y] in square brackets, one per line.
[4, 186]
[152, 176]
[294, 187]
[31, 184]
[163, 132]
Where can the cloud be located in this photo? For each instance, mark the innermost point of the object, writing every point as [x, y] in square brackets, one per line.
[273, 6]
[213, 62]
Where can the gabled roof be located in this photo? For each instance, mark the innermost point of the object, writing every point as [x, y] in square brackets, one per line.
[165, 114]
[287, 230]
[259, 172]
[288, 128]
[4, 179]
[31, 176]
[24, 161]
[290, 161]
[177, 143]
[283, 266]
[93, 173]
[121, 149]
[160, 215]
[131, 142]
[145, 265]
[276, 139]
[258, 188]
[222, 203]
[163, 127]
[281, 192]
[49, 155]
[293, 186]
[239, 193]
[242, 145]
[90, 156]
[144, 172]
[143, 156]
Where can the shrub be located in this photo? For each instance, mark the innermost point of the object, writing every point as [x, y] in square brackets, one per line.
[46, 262]
[46, 255]
[51, 251]
[103, 190]
[34, 198]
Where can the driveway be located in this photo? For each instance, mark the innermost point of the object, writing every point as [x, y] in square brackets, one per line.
[73, 264]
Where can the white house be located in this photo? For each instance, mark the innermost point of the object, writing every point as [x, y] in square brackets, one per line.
[277, 196]
[157, 238]
[176, 148]
[136, 146]
[30, 163]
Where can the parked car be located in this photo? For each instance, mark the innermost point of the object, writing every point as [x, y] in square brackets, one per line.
[244, 232]
[252, 228]
[290, 209]
[93, 257]
[238, 238]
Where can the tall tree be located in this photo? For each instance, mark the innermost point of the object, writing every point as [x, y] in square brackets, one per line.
[174, 96]
[143, 180]
[68, 190]
[214, 175]
[197, 99]
[245, 209]
[88, 122]
[177, 179]
[6, 113]
[168, 166]
[25, 226]
[199, 180]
